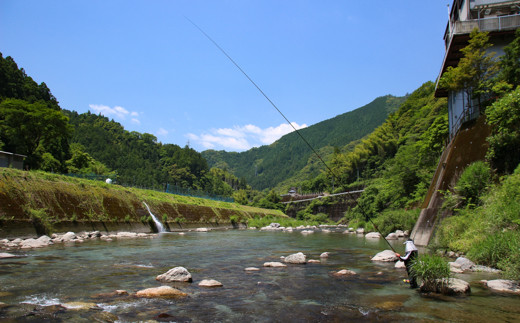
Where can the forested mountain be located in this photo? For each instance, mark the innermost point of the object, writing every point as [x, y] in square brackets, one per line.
[266, 166]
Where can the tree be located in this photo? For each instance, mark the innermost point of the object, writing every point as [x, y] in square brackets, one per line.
[475, 71]
[504, 142]
[31, 129]
[510, 62]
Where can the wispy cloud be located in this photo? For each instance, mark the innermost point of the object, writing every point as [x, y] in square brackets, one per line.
[162, 132]
[117, 112]
[241, 138]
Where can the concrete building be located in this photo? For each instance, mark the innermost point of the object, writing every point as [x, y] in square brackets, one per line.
[11, 160]
[498, 17]
[468, 132]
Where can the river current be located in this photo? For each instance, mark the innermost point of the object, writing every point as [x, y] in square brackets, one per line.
[42, 278]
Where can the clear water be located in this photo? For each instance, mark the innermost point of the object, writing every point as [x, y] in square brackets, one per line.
[297, 293]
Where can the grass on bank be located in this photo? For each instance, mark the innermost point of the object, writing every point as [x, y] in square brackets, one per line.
[489, 233]
[41, 195]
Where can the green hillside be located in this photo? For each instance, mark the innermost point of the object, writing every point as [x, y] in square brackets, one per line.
[267, 166]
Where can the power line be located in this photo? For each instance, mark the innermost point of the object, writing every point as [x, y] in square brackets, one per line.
[333, 174]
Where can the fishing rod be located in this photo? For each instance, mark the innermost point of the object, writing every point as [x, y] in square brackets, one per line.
[333, 174]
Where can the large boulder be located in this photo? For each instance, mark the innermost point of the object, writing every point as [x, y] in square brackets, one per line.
[503, 285]
[68, 237]
[297, 258]
[451, 286]
[465, 263]
[176, 274]
[386, 255]
[391, 236]
[373, 235]
[42, 241]
[163, 291]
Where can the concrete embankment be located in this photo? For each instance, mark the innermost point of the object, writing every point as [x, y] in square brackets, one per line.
[36, 203]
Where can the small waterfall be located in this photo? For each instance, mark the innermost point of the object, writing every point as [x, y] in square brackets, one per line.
[158, 224]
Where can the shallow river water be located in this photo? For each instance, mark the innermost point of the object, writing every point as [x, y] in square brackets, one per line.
[31, 286]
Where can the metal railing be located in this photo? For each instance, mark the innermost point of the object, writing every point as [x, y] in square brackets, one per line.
[483, 24]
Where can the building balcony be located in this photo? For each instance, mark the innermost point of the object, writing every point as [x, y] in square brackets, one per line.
[501, 23]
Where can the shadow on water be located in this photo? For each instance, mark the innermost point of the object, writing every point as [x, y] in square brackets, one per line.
[93, 271]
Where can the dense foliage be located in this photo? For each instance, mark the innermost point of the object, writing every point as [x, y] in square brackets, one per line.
[489, 233]
[266, 166]
[396, 162]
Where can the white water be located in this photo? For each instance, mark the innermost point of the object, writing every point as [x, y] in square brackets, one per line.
[158, 224]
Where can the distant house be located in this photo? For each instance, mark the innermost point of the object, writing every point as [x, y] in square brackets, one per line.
[11, 160]
[500, 19]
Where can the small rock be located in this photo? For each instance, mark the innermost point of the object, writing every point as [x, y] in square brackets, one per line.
[6, 255]
[163, 291]
[455, 268]
[126, 235]
[373, 235]
[386, 255]
[502, 285]
[314, 261]
[345, 272]
[252, 269]
[324, 255]
[201, 230]
[399, 264]
[360, 231]
[176, 274]
[80, 306]
[210, 283]
[399, 233]
[307, 231]
[274, 264]
[297, 258]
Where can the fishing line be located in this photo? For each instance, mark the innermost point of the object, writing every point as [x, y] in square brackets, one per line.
[333, 174]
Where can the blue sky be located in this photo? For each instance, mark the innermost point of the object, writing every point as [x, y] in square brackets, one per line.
[143, 64]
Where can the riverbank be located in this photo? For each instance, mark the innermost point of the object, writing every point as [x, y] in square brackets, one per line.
[37, 203]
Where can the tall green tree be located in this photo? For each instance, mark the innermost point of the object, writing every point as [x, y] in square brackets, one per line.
[475, 71]
[31, 129]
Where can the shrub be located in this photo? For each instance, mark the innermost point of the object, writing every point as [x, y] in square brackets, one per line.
[500, 250]
[430, 269]
[473, 182]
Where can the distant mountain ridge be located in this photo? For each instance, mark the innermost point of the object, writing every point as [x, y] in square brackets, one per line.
[267, 166]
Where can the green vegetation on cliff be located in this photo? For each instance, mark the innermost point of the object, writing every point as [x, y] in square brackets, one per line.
[48, 198]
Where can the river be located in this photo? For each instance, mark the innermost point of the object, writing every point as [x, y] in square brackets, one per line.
[32, 285]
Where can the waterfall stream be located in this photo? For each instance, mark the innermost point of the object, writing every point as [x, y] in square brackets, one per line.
[158, 224]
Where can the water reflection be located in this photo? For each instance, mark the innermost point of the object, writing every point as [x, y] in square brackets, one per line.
[93, 271]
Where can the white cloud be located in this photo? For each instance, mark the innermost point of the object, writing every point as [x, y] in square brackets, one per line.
[117, 112]
[162, 132]
[242, 137]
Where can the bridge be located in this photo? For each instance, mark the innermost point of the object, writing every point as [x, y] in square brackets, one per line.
[339, 203]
